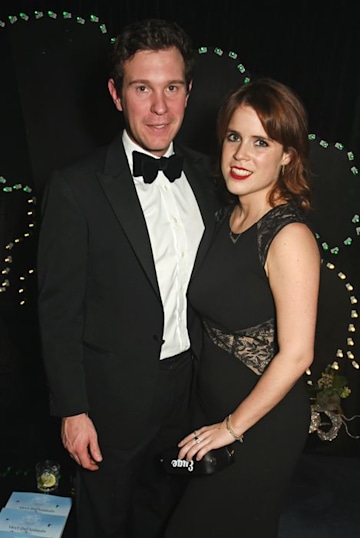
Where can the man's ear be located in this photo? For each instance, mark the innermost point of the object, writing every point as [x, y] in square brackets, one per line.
[188, 90]
[114, 94]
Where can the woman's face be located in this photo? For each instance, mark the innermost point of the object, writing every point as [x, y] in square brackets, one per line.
[251, 161]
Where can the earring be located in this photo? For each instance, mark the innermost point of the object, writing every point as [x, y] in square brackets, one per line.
[282, 169]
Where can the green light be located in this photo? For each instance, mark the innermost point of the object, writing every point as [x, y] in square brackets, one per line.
[202, 50]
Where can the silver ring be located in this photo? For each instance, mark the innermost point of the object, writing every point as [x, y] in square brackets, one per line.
[197, 439]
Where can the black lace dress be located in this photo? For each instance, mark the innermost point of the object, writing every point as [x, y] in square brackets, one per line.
[231, 293]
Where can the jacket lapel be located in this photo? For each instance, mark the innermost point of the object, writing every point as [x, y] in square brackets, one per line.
[118, 186]
[201, 183]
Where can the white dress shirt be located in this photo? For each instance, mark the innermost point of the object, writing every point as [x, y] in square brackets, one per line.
[175, 227]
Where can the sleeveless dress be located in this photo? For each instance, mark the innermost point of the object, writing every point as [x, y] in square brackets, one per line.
[231, 293]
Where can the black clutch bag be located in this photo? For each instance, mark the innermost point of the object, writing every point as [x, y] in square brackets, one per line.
[211, 463]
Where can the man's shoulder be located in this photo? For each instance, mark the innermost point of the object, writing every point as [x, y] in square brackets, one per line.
[200, 162]
[191, 153]
[92, 162]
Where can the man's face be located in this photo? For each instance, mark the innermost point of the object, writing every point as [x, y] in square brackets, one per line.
[153, 98]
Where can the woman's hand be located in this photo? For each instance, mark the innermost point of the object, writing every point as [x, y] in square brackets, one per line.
[198, 443]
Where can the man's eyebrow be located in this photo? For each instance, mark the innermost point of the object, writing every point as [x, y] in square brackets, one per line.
[149, 83]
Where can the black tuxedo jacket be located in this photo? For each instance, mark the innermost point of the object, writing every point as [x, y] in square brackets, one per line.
[101, 315]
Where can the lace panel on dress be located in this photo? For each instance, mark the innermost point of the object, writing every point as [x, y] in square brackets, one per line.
[271, 223]
[253, 346]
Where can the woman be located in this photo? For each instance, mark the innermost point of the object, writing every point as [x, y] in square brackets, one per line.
[256, 293]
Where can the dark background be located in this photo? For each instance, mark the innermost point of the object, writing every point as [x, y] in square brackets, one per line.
[54, 108]
[312, 46]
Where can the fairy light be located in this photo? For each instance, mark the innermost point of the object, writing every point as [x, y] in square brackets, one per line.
[353, 314]
[66, 15]
[232, 55]
[5, 270]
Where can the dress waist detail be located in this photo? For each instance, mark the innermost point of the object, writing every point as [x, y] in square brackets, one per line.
[253, 346]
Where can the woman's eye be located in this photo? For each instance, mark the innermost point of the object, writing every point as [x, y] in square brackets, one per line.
[262, 143]
[233, 137]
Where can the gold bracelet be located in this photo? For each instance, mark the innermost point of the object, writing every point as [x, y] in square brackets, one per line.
[230, 430]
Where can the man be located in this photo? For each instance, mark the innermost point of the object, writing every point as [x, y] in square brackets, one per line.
[116, 252]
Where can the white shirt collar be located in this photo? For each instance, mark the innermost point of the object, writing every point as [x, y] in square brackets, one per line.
[130, 146]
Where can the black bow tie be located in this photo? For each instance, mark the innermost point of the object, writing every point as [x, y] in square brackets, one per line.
[148, 167]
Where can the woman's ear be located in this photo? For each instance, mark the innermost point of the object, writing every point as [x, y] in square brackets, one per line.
[286, 158]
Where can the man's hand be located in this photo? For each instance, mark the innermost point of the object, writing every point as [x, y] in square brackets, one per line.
[79, 437]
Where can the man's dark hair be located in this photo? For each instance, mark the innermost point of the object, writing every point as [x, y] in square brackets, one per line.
[150, 34]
